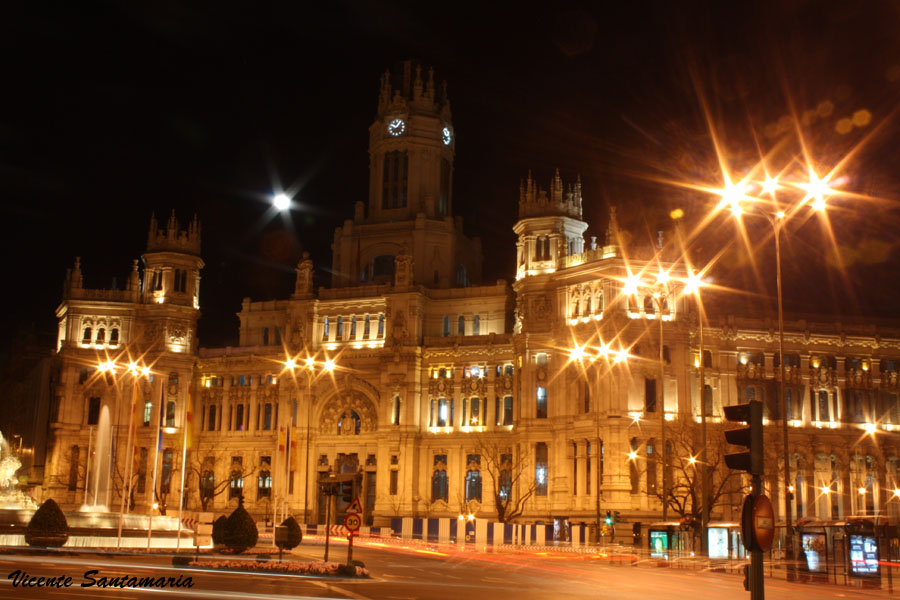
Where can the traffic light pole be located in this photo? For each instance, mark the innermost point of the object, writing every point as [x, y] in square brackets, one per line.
[757, 589]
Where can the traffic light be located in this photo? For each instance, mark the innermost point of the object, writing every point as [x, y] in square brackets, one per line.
[750, 437]
[609, 519]
[347, 492]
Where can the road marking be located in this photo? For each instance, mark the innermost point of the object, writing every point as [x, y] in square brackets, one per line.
[340, 590]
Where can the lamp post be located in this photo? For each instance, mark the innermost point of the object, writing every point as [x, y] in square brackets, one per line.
[136, 372]
[816, 190]
[661, 295]
[693, 284]
[309, 370]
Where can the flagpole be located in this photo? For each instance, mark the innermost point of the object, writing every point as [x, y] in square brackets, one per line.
[184, 424]
[87, 466]
[129, 466]
[273, 499]
[162, 398]
[287, 463]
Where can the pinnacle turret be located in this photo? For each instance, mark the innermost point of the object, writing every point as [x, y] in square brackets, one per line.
[561, 201]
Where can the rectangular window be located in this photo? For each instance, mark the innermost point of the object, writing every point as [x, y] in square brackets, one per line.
[476, 325]
[540, 469]
[587, 397]
[165, 482]
[823, 405]
[461, 325]
[148, 410]
[507, 410]
[707, 400]
[340, 328]
[239, 417]
[587, 483]
[649, 395]
[541, 402]
[353, 327]
[325, 329]
[211, 422]
[366, 328]
[170, 414]
[446, 328]
[394, 179]
[442, 415]
[93, 411]
[381, 325]
[267, 417]
[394, 477]
[651, 468]
[444, 198]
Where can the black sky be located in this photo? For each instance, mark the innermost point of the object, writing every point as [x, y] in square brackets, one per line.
[110, 111]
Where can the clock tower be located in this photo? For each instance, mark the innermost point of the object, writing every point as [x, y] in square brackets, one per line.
[411, 146]
[410, 206]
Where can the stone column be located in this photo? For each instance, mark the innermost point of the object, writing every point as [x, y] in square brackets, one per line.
[581, 467]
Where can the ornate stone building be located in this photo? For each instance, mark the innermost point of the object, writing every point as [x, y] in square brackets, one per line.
[448, 393]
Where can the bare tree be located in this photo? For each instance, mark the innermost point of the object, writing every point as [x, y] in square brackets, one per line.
[685, 482]
[509, 470]
[202, 467]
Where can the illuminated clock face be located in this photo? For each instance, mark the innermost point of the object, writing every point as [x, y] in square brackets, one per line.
[396, 127]
[447, 136]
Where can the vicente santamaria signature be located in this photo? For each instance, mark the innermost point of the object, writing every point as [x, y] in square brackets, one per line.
[22, 579]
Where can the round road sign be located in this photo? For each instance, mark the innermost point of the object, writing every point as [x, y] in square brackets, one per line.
[763, 523]
[352, 522]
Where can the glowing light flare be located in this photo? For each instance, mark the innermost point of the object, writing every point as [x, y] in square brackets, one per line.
[290, 363]
[632, 282]
[281, 201]
[826, 489]
[662, 277]
[692, 460]
[577, 353]
[620, 356]
[870, 428]
[329, 365]
[897, 492]
[770, 185]
[692, 283]
[632, 455]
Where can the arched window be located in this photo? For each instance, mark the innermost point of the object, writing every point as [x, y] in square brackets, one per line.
[340, 328]
[264, 485]
[265, 336]
[236, 484]
[476, 325]
[353, 327]
[74, 457]
[381, 325]
[446, 328]
[366, 328]
[101, 335]
[395, 412]
[86, 338]
[114, 337]
[461, 325]
[547, 247]
[473, 477]
[649, 307]
[325, 329]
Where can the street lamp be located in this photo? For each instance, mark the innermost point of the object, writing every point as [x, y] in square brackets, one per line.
[816, 190]
[136, 372]
[309, 368]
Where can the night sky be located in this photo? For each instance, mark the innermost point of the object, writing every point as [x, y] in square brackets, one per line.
[111, 111]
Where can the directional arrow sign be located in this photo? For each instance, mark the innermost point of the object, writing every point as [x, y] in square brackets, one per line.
[355, 506]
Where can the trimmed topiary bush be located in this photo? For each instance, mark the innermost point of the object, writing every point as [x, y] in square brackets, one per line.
[295, 535]
[240, 530]
[218, 534]
[48, 527]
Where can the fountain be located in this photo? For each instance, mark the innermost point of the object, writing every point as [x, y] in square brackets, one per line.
[10, 494]
[92, 525]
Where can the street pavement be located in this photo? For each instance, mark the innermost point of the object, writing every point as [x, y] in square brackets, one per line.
[416, 571]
